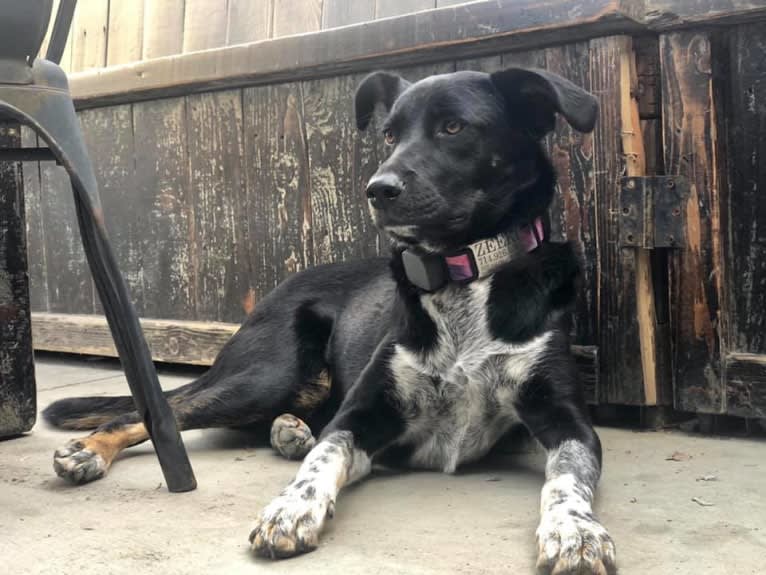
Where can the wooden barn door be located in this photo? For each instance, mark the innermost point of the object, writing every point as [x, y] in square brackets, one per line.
[714, 134]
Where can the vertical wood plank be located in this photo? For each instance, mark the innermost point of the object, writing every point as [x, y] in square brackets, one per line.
[70, 286]
[126, 32]
[621, 379]
[647, 92]
[388, 8]
[573, 211]
[217, 189]
[342, 228]
[38, 278]
[205, 24]
[17, 375]
[278, 185]
[296, 17]
[635, 161]
[163, 28]
[745, 117]
[108, 134]
[89, 34]
[344, 12]
[249, 21]
[690, 144]
[170, 254]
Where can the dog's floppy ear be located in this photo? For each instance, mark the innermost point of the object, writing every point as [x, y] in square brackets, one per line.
[534, 96]
[377, 88]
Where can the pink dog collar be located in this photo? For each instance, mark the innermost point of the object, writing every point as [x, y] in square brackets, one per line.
[480, 259]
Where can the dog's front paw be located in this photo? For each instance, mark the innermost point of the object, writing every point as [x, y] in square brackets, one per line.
[77, 464]
[571, 543]
[290, 525]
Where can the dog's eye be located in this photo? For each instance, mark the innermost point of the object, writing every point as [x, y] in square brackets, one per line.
[452, 127]
[388, 136]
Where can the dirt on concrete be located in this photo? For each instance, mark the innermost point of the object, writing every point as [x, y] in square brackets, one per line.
[480, 521]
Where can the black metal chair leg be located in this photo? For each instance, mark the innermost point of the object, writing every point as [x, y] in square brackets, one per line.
[46, 106]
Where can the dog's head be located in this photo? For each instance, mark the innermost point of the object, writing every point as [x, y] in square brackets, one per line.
[465, 160]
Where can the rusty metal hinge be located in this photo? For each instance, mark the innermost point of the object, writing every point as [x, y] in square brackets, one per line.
[652, 211]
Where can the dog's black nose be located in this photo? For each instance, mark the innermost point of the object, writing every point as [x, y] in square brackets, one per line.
[383, 190]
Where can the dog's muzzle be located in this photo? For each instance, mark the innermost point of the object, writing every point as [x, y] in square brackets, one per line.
[383, 190]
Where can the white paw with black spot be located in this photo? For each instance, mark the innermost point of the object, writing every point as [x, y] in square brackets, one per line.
[77, 464]
[572, 543]
[291, 437]
[290, 525]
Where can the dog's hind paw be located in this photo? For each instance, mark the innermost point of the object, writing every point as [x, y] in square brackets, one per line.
[574, 544]
[291, 437]
[77, 464]
[290, 525]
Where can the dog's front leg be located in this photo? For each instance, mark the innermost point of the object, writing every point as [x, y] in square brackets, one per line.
[366, 422]
[291, 523]
[570, 539]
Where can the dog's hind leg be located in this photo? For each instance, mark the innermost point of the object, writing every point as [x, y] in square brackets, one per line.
[263, 371]
[291, 437]
[89, 458]
[231, 402]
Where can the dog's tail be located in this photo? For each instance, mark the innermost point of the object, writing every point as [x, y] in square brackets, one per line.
[92, 412]
[86, 412]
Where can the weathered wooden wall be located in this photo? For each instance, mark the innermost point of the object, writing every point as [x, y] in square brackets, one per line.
[212, 199]
[113, 32]
[231, 191]
[223, 172]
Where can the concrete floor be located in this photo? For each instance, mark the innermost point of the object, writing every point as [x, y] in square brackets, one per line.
[479, 521]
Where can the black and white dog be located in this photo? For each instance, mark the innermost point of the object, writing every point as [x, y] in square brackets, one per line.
[425, 358]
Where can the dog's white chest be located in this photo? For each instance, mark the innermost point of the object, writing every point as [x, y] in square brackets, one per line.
[459, 398]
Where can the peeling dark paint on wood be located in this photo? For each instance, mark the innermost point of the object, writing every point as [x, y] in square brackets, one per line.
[573, 213]
[746, 384]
[342, 227]
[745, 121]
[214, 126]
[38, 272]
[72, 291]
[112, 153]
[690, 147]
[17, 377]
[278, 183]
[617, 327]
[163, 210]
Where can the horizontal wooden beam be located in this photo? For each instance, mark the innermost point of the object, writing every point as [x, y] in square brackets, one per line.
[745, 384]
[190, 342]
[662, 15]
[194, 342]
[461, 31]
